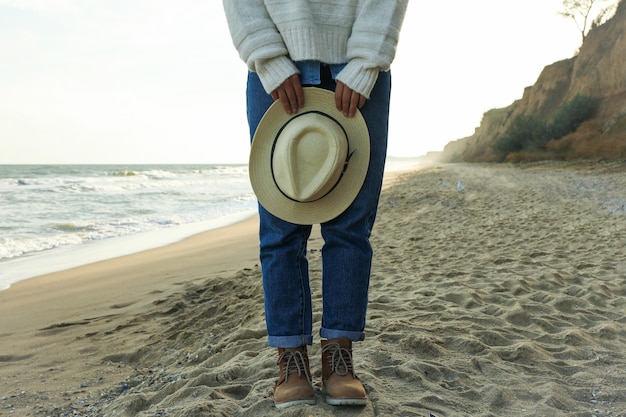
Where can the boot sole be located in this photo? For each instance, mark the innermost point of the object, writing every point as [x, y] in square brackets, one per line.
[293, 403]
[346, 401]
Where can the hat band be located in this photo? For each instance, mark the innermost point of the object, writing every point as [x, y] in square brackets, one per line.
[343, 170]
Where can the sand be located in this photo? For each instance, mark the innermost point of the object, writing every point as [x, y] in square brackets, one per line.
[504, 296]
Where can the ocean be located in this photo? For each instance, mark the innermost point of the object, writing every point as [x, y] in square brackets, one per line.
[56, 217]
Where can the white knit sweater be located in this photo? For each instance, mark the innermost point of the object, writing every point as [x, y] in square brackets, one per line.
[271, 34]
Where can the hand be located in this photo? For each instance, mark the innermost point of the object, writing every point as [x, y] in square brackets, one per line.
[347, 100]
[290, 94]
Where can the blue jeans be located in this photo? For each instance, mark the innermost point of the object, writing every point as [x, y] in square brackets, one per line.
[346, 253]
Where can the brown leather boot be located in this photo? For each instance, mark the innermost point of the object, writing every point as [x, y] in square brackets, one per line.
[341, 385]
[294, 382]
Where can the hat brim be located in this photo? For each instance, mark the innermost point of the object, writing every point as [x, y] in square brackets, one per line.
[340, 197]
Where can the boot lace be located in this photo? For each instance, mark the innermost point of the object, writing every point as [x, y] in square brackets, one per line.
[295, 363]
[339, 359]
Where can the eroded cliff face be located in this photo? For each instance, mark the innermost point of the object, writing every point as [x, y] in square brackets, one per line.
[598, 70]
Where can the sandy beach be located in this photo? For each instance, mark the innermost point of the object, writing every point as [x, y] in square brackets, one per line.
[496, 291]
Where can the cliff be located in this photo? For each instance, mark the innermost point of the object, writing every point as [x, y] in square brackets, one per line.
[599, 71]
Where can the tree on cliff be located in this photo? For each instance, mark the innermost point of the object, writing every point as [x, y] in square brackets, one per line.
[580, 11]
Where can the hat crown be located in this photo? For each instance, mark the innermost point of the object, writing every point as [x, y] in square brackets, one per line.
[309, 157]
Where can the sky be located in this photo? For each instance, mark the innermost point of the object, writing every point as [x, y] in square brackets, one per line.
[158, 81]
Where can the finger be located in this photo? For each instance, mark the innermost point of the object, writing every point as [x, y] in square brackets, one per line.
[299, 93]
[295, 92]
[284, 99]
[346, 97]
[292, 96]
[362, 101]
[357, 101]
[338, 96]
[354, 102]
[291, 100]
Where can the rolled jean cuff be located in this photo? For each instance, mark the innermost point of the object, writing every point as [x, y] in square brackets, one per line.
[342, 334]
[288, 342]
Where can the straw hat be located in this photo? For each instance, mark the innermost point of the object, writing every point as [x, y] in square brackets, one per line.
[307, 168]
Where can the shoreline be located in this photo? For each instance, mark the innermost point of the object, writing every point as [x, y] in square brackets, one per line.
[65, 258]
[221, 249]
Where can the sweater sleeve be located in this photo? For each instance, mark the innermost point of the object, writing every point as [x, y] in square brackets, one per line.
[372, 44]
[258, 42]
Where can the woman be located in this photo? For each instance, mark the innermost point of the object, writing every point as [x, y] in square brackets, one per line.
[346, 47]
